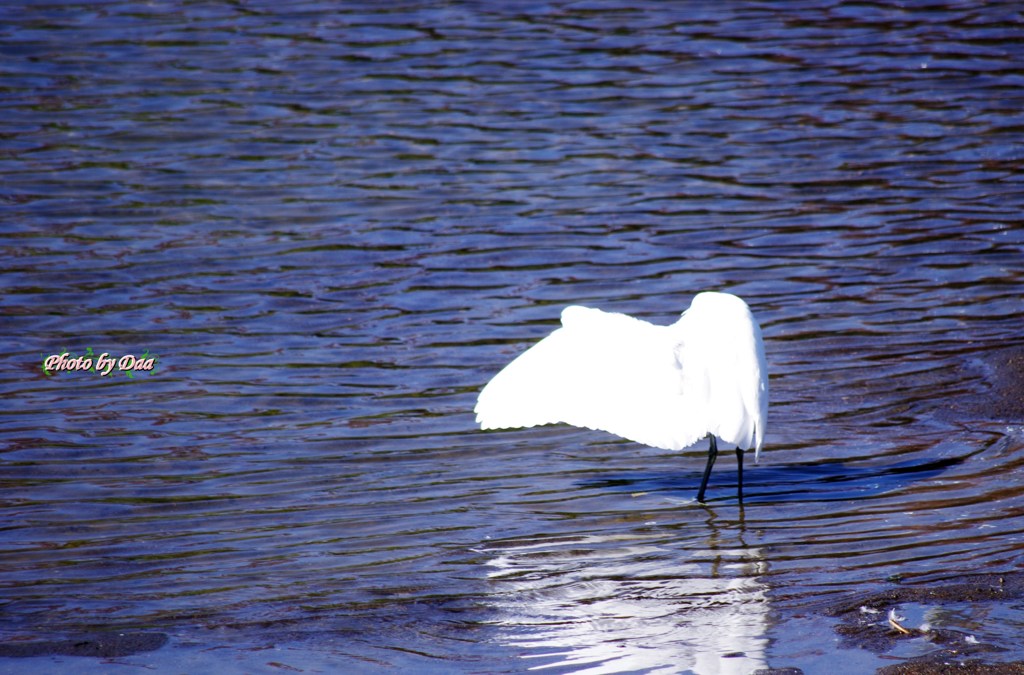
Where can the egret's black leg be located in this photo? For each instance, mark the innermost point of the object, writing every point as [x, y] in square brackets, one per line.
[739, 467]
[712, 454]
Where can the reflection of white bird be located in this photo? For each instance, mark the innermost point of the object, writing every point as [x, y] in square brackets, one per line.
[631, 602]
[663, 386]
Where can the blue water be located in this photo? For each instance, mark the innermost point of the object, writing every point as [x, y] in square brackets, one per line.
[331, 224]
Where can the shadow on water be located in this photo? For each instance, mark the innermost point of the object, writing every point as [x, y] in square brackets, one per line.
[820, 481]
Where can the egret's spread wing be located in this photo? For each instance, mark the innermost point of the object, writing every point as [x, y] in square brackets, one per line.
[600, 371]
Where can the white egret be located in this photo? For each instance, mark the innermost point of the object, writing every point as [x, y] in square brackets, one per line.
[663, 386]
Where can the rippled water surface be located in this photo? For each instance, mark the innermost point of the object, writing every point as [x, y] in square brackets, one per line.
[332, 223]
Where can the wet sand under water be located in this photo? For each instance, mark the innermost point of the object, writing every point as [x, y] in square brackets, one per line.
[860, 625]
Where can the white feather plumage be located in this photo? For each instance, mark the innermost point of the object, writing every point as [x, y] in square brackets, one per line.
[663, 386]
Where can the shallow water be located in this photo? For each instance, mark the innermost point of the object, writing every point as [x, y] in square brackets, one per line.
[332, 225]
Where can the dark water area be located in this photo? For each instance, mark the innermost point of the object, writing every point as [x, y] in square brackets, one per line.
[329, 224]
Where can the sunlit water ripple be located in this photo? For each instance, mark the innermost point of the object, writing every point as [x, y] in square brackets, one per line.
[333, 225]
